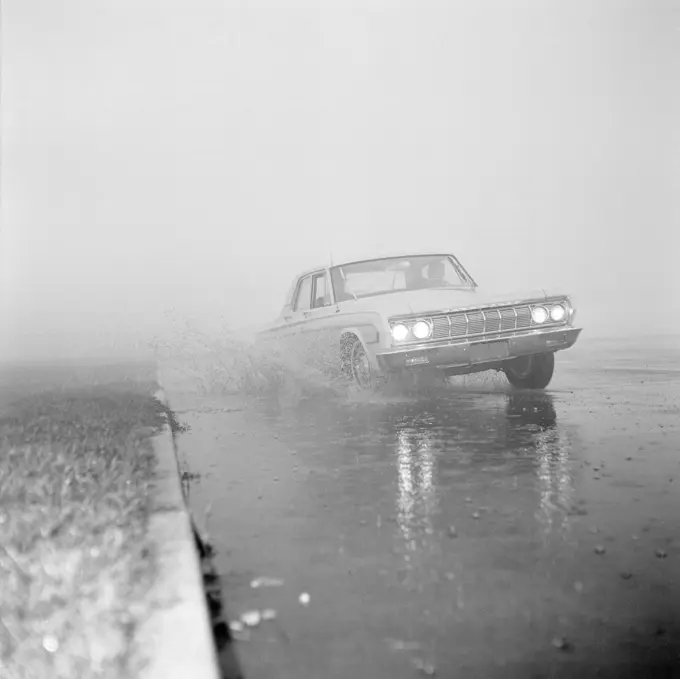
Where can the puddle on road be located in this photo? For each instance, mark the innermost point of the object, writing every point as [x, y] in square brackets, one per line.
[441, 438]
[474, 504]
[520, 478]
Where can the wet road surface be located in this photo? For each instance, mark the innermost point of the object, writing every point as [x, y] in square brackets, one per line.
[470, 532]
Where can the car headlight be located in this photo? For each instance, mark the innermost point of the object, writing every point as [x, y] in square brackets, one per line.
[558, 312]
[539, 314]
[399, 332]
[421, 329]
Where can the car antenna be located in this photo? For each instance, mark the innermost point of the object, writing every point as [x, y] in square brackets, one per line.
[330, 255]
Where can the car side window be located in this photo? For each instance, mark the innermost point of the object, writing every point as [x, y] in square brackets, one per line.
[304, 294]
[320, 293]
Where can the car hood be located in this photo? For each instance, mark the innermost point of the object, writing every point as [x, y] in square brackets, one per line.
[426, 301]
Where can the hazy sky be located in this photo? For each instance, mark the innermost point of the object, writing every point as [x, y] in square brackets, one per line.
[192, 156]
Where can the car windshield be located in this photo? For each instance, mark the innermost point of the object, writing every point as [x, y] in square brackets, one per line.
[396, 274]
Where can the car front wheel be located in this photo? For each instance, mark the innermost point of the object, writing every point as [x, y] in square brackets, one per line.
[359, 366]
[531, 372]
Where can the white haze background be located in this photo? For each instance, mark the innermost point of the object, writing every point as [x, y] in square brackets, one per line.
[185, 159]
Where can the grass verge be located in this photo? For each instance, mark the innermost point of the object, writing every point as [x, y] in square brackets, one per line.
[75, 467]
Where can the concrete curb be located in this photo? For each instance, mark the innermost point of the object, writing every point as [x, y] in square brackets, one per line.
[177, 637]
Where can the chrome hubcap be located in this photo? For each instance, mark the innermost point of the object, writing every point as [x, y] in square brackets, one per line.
[361, 368]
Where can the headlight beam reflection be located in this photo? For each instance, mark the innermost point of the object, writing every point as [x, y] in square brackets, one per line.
[416, 491]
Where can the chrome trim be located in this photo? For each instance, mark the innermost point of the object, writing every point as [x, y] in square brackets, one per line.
[405, 347]
[476, 307]
[456, 355]
[472, 318]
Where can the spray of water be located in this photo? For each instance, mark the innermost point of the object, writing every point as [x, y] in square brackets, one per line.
[228, 361]
[223, 361]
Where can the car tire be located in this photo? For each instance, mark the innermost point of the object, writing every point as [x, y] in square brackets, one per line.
[531, 372]
[360, 370]
[356, 366]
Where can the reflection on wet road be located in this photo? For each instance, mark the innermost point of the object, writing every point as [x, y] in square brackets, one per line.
[473, 531]
[416, 476]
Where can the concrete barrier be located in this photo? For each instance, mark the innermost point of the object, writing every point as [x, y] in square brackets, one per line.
[176, 638]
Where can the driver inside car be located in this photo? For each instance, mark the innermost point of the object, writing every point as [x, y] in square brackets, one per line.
[436, 277]
[436, 274]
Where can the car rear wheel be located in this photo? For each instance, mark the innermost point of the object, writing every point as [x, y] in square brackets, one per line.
[531, 372]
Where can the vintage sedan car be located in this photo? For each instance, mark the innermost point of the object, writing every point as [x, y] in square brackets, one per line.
[375, 318]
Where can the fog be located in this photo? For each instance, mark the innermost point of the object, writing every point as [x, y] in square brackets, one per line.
[185, 159]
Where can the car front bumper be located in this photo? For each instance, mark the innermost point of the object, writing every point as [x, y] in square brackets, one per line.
[486, 352]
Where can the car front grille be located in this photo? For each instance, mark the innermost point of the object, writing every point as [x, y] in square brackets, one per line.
[462, 324]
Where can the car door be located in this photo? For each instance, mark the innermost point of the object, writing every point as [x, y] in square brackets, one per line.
[290, 326]
[303, 327]
[318, 329]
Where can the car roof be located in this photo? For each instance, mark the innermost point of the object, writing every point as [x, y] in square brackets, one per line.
[368, 258]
